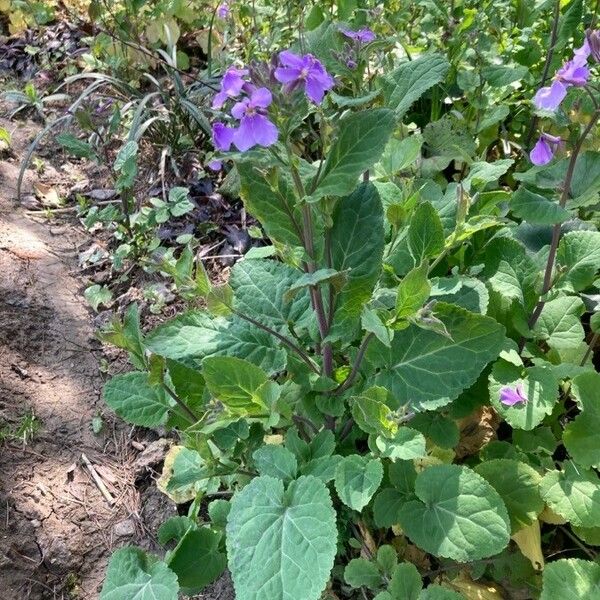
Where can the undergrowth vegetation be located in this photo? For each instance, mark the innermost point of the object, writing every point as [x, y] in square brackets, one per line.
[395, 394]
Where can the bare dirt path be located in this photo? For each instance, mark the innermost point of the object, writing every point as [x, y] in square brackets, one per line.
[56, 528]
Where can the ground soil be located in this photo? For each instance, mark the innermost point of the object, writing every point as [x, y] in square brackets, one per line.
[57, 529]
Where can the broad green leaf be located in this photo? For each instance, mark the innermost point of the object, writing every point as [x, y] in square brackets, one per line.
[316, 279]
[425, 370]
[398, 155]
[482, 173]
[387, 559]
[573, 493]
[413, 291]
[97, 295]
[437, 592]
[579, 257]
[441, 430]
[406, 444]
[571, 579]
[134, 575]
[357, 146]
[372, 323]
[196, 560]
[281, 542]
[273, 204]
[132, 397]
[447, 139]
[261, 290]
[356, 253]
[188, 383]
[184, 474]
[503, 75]
[406, 582]
[372, 414]
[411, 80]
[218, 510]
[194, 335]
[581, 436]
[74, 145]
[540, 387]
[174, 528]
[389, 501]
[360, 572]
[468, 292]
[537, 209]
[322, 468]
[179, 201]
[357, 479]
[425, 233]
[518, 486]
[457, 514]
[275, 461]
[559, 327]
[235, 382]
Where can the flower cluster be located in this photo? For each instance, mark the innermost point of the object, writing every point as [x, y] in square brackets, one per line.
[574, 73]
[223, 11]
[351, 52]
[250, 109]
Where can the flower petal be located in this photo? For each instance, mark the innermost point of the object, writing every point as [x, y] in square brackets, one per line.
[222, 136]
[287, 74]
[549, 98]
[541, 153]
[239, 108]
[261, 97]
[219, 100]
[289, 59]
[253, 130]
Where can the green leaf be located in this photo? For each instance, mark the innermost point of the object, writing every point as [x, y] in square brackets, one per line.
[406, 582]
[441, 430]
[413, 291]
[179, 202]
[194, 335]
[571, 579]
[281, 543]
[372, 323]
[174, 528]
[457, 514]
[425, 233]
[503, 75]
[389, 501]
[437, 592]
[372, 414]
[276, 461]
[425, 370]
[387, 559]
[518, 486]
[540, 387]
[336, 278]
[261, 290]
[134, 575]
[196, 560]
[136, 401]
[411, 80]
[537, 209]
[357, 479]
[188, 383]
[184, 474]
[272, 204]
[463, 291]
[579, 256]
[360, 572]
[358, 144]
[482, 173]
[573, 493]
[235, 382]
[358, 254]
[405, 445]
[74, 146]
[97, 295]
[580, 436]
[398, 155]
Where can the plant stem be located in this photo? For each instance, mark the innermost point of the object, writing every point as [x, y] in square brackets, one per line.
[591, 555]
[556, 230]
[549, 57]
[356, 367]
[282, 339]
[186, 409]
[590, 348]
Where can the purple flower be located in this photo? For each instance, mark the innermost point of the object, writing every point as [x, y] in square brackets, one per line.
[222, 136]
[573, 73]
[223, 11]
[581, 55]
[215, 165]
[550, 97]
[255, 128]
[593, 40]
[510, 396]
[231, 86]
[543, 152]
[303, 70]
[362, 36]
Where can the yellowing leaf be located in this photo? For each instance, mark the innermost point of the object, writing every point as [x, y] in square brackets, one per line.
[472, 590]
[530, 544]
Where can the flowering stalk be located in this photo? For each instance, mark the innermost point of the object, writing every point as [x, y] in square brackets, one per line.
[556, 230]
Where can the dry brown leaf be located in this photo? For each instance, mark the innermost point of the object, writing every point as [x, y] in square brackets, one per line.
[477, 430]
[473, 590]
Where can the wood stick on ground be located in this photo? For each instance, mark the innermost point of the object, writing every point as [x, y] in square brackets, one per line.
[97, 480]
